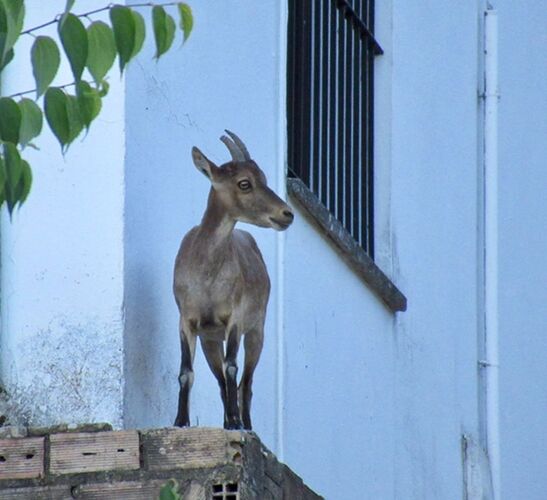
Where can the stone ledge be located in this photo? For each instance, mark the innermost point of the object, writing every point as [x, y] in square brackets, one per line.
[208, 463]
[346, 246]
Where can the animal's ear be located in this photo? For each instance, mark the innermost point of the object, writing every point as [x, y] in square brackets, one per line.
[203, 164]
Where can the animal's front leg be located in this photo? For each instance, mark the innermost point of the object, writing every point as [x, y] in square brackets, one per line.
[253, 342]
[214, 354]
[186, 377]
[233, 419]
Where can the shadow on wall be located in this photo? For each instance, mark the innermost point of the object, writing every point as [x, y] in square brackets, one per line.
[152, 351]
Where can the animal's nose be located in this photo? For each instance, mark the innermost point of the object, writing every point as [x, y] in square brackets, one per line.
[288, 215]
[283, 218]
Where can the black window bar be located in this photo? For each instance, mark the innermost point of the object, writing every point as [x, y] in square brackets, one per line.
[330, 75]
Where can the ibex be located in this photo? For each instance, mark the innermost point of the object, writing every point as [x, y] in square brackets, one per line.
[221, 284]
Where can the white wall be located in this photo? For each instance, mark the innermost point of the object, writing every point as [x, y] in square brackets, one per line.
[435, 215]
[61, 263]
[339, 373]
[378, 401]
[226, 76]
[523, 248]
[366, 399]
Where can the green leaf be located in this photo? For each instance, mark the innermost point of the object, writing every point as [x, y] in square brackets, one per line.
[25, 183]
[164, 30]
[69, 5]
[74, 39]
[102, 49]
[123, 24]
[45, 58]
[186, 19]
[104, 88]
[11, 23]
[10, 120]
[16, 12]
[140, 32]
[14, 171]
[89, 102]
[2, 172]
[63, 116]
[75, 122]
[7, 59]
[3, 178]
[4, 29]
[170, 491]
[55, 107]
[31, 121]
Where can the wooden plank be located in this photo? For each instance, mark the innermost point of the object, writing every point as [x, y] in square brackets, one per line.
[124, 490]
[92, 452]
[37, 493]
[190, 448]
[21, 458]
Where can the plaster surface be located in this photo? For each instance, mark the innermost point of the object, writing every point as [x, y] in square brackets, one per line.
[522, 248]
[355, 390]
[62, 262]
[223, 77]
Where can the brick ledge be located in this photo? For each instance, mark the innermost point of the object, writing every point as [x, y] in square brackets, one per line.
[135, 464]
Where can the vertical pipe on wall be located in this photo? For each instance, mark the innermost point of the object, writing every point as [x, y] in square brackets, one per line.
[491, 363]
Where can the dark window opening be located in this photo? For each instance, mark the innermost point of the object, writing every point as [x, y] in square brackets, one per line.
[330, 75]
[225, 491]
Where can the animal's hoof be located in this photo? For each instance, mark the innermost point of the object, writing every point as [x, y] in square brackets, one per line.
[181, 423]
[233, 425]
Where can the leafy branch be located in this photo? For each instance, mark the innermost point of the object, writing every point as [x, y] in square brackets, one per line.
[92, 50]
[32, 91]
[171, 490]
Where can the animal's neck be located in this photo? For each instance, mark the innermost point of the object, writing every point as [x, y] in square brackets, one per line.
[216, 226]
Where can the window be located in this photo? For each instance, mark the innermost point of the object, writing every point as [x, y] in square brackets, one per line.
[331, 52]
[229, 491]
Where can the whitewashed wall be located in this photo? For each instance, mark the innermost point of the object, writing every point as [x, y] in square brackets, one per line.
[226, 76]
[434, 219]
[387, 396]
[523, 248]
[353, 397]
[62, 263]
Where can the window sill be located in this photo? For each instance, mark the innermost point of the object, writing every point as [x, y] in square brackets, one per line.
[348, 248]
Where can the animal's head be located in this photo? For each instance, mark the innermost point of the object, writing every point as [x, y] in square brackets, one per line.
[242, 189]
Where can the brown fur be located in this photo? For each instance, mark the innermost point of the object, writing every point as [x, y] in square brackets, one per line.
[221, 284]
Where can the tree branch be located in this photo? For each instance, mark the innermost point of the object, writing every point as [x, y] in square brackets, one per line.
[34, 90]
[36, 28]
[58, 17]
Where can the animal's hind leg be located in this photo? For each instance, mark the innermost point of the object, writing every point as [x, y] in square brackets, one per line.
[253, 342]
[214, 354]
[186, 376]
[233, 419]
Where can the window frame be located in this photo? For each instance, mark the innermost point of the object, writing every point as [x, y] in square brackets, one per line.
[307, 180]
[330, 100]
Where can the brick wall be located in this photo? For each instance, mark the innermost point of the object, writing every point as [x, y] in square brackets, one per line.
[93, 462]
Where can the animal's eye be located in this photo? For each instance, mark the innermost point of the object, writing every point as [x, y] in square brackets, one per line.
[244, 185]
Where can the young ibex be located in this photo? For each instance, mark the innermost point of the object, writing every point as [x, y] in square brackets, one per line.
[221, 284]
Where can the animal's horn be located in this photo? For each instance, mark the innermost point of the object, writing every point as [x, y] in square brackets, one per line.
[237, 154]
[240, 144]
